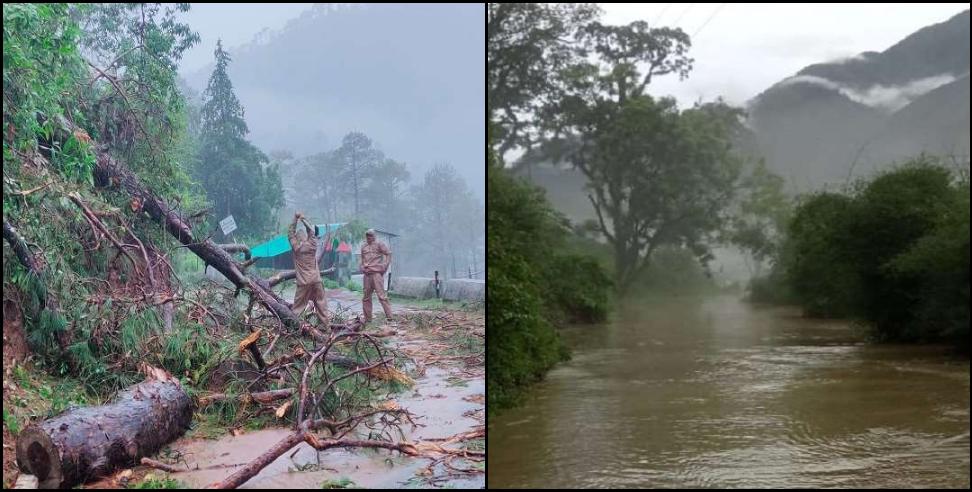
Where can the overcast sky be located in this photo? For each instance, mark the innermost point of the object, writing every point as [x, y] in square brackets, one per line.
[424, 105]
[236, 24]
[742, 49]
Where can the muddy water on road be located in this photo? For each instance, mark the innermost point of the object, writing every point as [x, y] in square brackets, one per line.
[717, 393]
[444, 400]
[436, 399]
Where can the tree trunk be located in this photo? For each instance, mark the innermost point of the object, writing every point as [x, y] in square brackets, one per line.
[109, 172]
[85, 443]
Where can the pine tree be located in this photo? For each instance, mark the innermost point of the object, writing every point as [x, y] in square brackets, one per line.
[236, 175]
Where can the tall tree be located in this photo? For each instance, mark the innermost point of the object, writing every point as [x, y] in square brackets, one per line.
[236, 175]
[360, 159]
[526, 44]
[443, 208]
[656, 175]
[385, 195]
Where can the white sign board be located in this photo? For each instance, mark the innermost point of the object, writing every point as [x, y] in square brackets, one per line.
[228, 225]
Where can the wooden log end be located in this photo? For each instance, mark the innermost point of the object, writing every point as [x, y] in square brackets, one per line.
[37, 455]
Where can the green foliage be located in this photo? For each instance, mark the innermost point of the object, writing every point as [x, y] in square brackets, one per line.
[533, 278]
[123, 94]
[330, 284]
[526, 43]
[524, 344]
[770, 289]
[818, 265]
[40, 66]
[137, 108]
[763, 209]
[154, 482]
[340, 483]
[353, 286]
[895, 252]
[191, 352]
[10, 422]
[581, 288]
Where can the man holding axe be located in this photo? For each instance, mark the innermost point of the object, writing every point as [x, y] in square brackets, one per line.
[307, 254]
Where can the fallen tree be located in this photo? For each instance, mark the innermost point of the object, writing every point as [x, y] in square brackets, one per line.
[86, 443]
[67, 450]
[112, 174]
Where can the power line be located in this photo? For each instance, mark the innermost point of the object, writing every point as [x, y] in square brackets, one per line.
[714, 12]
[683, 14]
[659, 18]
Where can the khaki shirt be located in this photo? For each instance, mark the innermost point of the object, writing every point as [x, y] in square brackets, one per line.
[371, 255]
[305, 257]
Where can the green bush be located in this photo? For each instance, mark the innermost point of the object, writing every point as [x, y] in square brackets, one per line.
[524, 345]
[894, 252]
[819, 266]
[770, 289]
[580, 288]
[535, 281]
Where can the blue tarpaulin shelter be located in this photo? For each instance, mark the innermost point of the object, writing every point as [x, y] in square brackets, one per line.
[275, 253]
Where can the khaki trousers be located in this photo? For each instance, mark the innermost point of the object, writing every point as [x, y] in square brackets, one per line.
[312, 293]
[375, 282]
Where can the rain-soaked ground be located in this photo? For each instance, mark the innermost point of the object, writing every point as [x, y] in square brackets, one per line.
[717, 393]
[447, 399]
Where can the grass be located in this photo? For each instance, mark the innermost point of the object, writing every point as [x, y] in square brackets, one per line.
[39, 396]
[340, 483]
[432, 303]
[10, 421]
[153, 482]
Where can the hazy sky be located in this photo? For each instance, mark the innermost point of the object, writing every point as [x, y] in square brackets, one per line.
[742, 49]
[235, 23]
[411, 77]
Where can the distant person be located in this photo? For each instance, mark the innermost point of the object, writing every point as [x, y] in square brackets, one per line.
[375, 258]
[307, 254]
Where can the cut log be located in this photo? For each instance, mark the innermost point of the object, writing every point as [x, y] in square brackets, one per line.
[86, 443]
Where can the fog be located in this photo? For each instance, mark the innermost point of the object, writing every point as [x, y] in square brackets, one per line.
[831, 93]
[409, 78]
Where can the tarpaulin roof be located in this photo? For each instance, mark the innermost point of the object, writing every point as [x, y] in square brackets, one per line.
[279, 245]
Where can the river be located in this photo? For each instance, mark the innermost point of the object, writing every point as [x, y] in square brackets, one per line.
[718, 393]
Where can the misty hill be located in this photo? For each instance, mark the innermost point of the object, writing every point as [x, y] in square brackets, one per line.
[411, 77]
[869, 110]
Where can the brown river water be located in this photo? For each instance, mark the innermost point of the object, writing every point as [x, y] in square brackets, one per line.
[719, 393]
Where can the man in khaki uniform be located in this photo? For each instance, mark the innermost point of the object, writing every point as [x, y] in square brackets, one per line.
[306, 256]
[375, 258]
